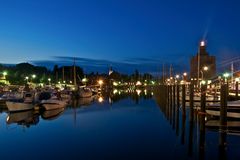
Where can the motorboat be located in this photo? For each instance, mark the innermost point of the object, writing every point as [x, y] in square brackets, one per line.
[24, 104]
[54, 102]
[18, 106]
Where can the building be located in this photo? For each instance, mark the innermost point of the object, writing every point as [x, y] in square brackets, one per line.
[202, 65]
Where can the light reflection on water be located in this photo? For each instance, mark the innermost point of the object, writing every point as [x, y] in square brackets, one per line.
[119, 126]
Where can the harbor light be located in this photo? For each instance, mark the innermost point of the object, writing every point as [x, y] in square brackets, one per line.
[205, 68]
[138, 83]
[84, 80]
[100, 82]
[115, 83]
[203, 82]
[226, 75]
[4, 73]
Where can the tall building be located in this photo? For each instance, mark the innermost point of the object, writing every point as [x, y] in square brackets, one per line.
[203, 66]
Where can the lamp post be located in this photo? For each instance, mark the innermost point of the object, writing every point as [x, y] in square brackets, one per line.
[33, 77]
[100, 82]
[205, 68]
[49, 81]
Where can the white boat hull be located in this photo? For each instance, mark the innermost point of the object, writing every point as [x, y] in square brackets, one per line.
[53, 104]
[18, 106]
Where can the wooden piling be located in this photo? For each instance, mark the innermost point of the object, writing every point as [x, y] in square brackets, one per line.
[223, 109]
[184, 99]
[191, 92]
[203, 98]
[178, 103]
[236, 90]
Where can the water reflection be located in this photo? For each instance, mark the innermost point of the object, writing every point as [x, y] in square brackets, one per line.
[31, 117]
[129, 124]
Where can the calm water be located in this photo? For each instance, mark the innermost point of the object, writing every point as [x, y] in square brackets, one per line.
[125, 127]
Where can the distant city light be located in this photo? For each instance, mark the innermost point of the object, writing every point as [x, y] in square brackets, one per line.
[205, 68]
[226, 75]
[33, 76]
[100, 82]
[177, 76]
[138, 83]
[115, 83]
[4, 73]
[203, 82]
[202, 43]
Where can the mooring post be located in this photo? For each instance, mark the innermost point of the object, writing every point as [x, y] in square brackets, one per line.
[223, 109]
[203, 97]
[223, 116]
[174, 94]
[170, 106]
[191, 92]
[236, 91]
[178, 103]
[184, 98]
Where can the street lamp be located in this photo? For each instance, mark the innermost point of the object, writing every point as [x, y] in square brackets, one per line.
[205, 68]
[100, 82]
[49, 80]
[226, 75]
[4, 73]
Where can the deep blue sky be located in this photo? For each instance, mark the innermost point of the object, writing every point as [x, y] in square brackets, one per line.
[139, 33]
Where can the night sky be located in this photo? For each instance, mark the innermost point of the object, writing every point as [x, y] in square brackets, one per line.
[128, 35]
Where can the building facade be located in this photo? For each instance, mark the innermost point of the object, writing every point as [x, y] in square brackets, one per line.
[202, 65]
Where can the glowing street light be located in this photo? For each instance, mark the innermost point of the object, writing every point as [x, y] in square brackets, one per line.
[226, 75]
[33, 76]
[203, 82]
[4, 73]
[177, 76]
[49, 80]
[185, 74]
[26, 77]
[205, 68]
[100, 82]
